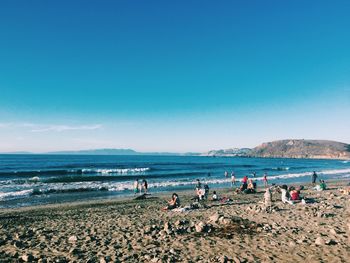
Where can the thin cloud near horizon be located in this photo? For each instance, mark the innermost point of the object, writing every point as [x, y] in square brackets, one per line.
[51, 127]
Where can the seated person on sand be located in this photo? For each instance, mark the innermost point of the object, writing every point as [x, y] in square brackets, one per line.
[243, 187]
[250, 188]
[200, 194]
[173, 203]
[295, 195]
[221, 199]
[215, 196]
[285, 195]
[321, 187]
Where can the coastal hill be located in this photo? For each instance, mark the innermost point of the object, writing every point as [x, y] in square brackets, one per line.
[321, 149]
[315, 149]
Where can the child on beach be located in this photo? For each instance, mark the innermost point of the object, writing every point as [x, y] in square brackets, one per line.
[173, 203]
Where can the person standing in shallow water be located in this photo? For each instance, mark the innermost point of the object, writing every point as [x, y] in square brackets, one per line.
[144, 186]
[226, 174]
[314, 177]
[136, 186]
[233, 179]
[265, 180]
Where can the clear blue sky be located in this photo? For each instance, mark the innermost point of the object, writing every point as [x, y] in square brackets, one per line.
[172, 75]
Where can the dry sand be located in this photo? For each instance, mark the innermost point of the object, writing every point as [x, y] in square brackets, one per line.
[138, 231]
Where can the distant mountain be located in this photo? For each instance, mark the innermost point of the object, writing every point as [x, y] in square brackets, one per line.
[228, 152]
[315, 149]
[98, 152]
[116, 152]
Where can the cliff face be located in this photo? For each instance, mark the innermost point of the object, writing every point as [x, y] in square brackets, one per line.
[303, 149]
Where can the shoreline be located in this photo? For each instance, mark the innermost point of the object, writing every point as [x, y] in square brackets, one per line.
[131, 230]
[161, 194]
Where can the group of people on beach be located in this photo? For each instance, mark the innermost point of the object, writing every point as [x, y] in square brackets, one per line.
[289, 195]
[140, 187]
[245, 179]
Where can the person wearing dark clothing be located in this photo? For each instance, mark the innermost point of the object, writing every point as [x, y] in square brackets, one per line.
[173, 203]
[206, 191]
[314, 177]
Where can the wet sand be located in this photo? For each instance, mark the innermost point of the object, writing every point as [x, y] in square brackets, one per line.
[139, 231]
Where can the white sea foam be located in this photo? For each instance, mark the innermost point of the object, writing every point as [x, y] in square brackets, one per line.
[34, 179]
[128, 185]
[294, 175]
[117, 171]
[15, 194]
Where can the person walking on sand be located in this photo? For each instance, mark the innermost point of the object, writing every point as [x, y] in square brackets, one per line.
[136, 186]
[314, 177]
[265, 180]
[233, 179]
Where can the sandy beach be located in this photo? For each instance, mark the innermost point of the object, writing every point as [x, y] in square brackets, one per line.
[139, 231]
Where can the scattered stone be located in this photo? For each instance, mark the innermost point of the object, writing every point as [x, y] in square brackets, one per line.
[147, 230]
[200, 227]
[214, 218]
[319, 241]
[72, 239]
[333, 231]
[331, 242]
[27, 258]
[292, 244]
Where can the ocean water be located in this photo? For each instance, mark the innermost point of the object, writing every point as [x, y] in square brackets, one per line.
[41, 179]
